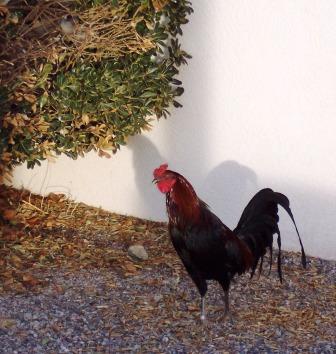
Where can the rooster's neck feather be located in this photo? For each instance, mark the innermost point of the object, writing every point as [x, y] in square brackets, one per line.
[183, 205]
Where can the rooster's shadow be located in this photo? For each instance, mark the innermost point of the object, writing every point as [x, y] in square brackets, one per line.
[227, 189]
[146, 157]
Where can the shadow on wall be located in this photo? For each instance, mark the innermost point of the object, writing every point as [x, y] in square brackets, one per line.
[146, 158]
[228, 188]
[176, 136]
[314, 211]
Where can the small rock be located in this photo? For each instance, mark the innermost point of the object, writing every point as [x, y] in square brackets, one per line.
[278, 332]
[35, 324]
[28, 316]
[138, 252]
[158, 297]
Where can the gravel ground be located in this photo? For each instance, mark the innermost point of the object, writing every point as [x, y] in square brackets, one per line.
[67, 285]
[156, 310]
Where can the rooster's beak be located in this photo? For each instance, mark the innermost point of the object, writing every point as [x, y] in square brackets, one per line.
[155, 181]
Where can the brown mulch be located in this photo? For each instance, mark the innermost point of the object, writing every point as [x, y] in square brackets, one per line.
[68, 285]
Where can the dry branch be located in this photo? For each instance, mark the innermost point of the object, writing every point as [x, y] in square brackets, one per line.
[99, 32]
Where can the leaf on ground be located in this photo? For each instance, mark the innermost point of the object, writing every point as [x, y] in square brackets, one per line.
[9, 214]
[6, 323]
[16, 261]
[29, 280]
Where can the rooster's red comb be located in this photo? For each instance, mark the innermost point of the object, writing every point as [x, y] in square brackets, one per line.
[158, 172]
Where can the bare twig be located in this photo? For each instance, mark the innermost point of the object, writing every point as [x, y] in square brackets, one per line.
[99, 32]
[33, 206]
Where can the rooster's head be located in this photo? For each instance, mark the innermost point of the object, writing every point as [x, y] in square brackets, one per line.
[164, 178]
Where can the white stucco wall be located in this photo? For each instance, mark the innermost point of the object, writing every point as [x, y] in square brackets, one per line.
[259, 110]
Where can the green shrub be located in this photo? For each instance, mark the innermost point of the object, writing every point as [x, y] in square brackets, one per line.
[92, 88]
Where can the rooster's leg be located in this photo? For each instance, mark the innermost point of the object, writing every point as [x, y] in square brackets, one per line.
[225, 283]
[271, 260]
[261, 265]
[227, 314]
[202, 308]
[202, 287]
[226, 302]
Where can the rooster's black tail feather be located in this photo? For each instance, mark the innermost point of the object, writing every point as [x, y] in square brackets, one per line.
[258, 224]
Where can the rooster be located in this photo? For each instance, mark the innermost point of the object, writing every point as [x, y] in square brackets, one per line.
[208, 248]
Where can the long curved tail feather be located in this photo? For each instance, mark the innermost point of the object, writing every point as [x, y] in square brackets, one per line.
[284, 202]
[258, 224]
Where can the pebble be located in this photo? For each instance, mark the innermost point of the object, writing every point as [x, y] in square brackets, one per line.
[158, 297]
[28, 316]
[278, 332]
[138, 252]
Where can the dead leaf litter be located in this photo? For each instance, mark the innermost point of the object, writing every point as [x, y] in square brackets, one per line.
[69, 285]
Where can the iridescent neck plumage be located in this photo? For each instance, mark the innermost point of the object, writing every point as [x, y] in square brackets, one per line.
[183, 205]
